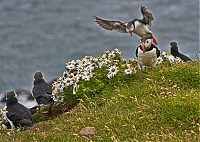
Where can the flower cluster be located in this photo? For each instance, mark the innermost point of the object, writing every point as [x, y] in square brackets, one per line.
[84, 70]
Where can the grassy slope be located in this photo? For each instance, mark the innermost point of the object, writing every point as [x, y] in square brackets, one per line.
[138, 107]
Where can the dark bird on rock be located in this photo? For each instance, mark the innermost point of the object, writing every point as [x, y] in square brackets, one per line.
[176, 53]
[137, 26]
[147, 53]
[42, 92]
[15, 114]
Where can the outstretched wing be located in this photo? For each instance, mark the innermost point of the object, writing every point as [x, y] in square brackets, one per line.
[111, 25]
[147, 16]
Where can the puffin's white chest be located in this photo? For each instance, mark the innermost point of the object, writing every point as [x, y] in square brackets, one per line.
[141, 29]
[149, 58]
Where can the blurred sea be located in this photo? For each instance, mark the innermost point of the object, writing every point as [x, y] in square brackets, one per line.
[42, 35]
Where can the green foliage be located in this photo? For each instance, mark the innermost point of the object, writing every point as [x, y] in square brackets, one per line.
[38, 117]
[144, 106]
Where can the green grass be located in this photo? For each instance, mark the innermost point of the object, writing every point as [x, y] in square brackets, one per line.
[163, 106]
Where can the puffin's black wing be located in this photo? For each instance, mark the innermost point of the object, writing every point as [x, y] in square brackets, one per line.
[19, 114]
[136, 51]
[42, 89]
[147, 16]
[111, 25]
[157, 50]
[183, 57]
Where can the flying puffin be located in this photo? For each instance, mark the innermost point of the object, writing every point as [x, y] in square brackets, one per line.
[42, 92]
[176, 53]
[137, 26]
[147, 53]
[15, 114]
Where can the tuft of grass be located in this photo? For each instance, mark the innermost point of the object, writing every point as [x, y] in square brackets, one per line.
[159, 106]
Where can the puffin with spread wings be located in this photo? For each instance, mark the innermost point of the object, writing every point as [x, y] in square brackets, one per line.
[137, 26]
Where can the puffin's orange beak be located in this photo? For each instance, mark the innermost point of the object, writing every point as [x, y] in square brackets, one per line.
[130, 32]
[143, 49]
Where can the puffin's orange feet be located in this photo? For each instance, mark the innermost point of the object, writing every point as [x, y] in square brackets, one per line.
[154, 40]
[45, 112]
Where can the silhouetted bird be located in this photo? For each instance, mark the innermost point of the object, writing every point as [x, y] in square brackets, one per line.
[176, 53]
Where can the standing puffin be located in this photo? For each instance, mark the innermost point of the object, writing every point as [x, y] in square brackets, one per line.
[147, 53]
[16, 114]
[42, 92]
[176, 53]
[137, 26]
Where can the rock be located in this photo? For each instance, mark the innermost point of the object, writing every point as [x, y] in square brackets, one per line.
[88, 131]
[25, 93]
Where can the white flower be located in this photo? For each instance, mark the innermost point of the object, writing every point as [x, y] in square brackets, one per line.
[4, 111]
[58, 98]
[170, 58]
[128, 71]
[118, 51]
[75, 80]
[87, 60]
[111, 55]
[87, 75]
[89, 68]
[58, 86]
[104, 62]
[105, 54]
[95, 60]
[159, 60]
[165, 54]
[65, 74]
[133, 60]
[68, 81]
[112, 71]
[129, 65]
[70, 65]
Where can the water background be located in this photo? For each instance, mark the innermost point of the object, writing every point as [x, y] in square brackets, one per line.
[42, 35]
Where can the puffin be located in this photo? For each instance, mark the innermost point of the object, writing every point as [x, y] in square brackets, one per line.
[42, 92]
[147, 53]
[174, 51]
[137, 26]
[15, 114]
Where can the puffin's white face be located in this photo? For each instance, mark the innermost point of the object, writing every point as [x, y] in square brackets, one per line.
[130, 28]
[147, 43]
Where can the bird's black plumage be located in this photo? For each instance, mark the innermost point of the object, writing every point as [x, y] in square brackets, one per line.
[42, 91]
[149, 49]
[147, 53]
[176, 53]
[16, 113]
